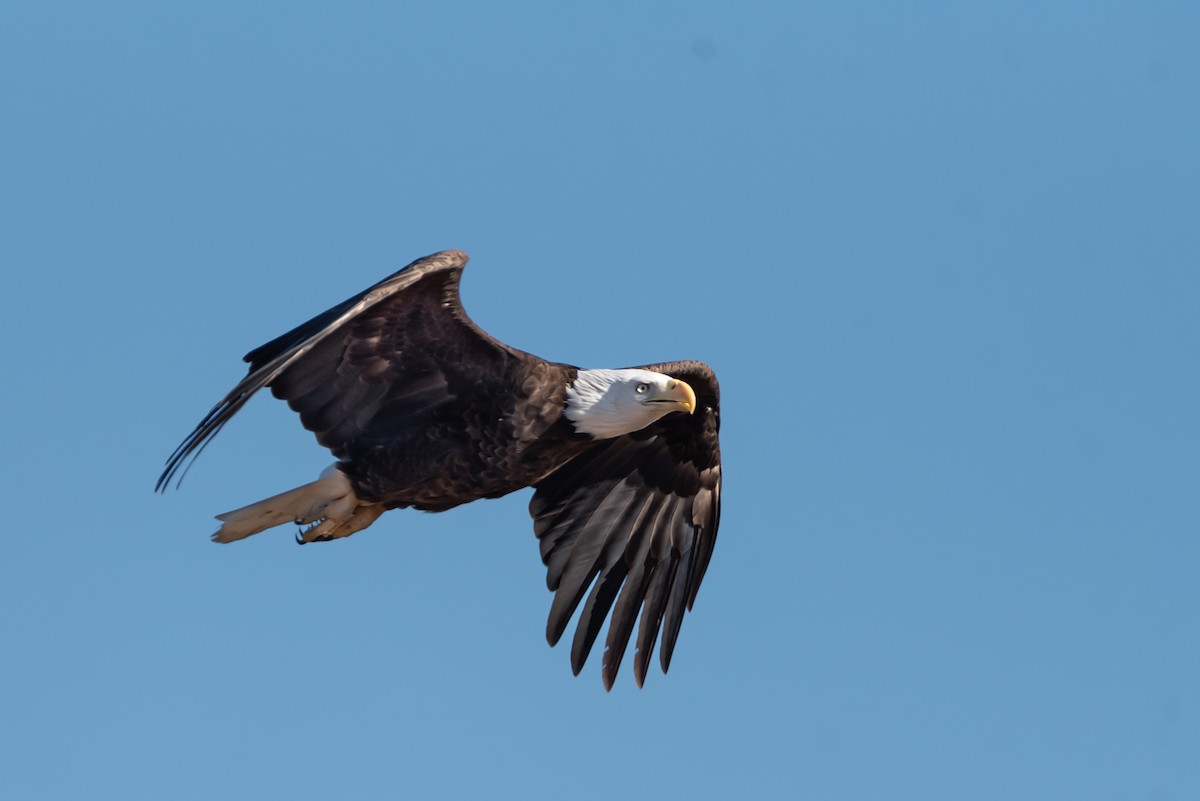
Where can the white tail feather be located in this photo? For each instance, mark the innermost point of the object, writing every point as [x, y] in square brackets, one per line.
[330, 496]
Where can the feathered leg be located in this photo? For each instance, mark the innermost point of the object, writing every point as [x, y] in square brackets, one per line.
[330, 500]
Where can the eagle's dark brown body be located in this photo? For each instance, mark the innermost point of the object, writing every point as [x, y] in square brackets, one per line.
[429, 419]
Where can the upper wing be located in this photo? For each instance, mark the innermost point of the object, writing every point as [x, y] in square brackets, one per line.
[384, 349]
[635, 518]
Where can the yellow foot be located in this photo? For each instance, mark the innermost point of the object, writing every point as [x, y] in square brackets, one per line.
[335, 527]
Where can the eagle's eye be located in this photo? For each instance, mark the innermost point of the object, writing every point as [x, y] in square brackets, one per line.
[642, 387]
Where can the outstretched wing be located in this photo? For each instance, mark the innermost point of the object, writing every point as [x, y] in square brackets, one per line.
[370, 365]
[634, 518]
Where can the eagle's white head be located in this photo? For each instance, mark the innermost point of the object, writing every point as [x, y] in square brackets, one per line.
[609, 403]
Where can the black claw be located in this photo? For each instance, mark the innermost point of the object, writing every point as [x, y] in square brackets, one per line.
[299, 539]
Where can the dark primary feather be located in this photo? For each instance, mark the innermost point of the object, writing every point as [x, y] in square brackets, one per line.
[634, 519]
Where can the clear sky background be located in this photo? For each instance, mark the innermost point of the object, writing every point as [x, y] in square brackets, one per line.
[943, 257]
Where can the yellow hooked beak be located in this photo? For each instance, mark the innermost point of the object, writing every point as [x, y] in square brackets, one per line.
[679, 394]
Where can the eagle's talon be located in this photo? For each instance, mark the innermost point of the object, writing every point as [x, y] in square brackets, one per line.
[302, 534]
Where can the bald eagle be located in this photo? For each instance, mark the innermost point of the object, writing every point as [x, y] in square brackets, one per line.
[423, 409]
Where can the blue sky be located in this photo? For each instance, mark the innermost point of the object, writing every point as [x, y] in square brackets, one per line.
[942, 257]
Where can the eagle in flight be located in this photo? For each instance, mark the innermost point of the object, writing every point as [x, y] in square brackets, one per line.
[423, 409]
